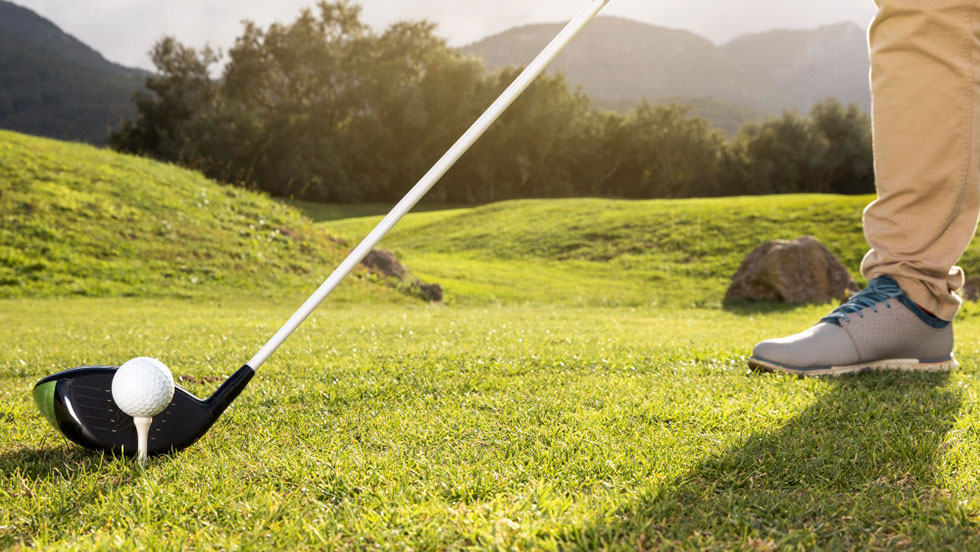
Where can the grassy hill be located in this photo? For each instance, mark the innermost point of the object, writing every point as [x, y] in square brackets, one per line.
[596, 251]
[557, 424]
[84, 221]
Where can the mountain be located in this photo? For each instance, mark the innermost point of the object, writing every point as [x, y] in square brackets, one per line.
[51, 84]
[619, 62]
[808, 66]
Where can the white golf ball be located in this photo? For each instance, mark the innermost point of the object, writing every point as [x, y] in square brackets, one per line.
[143, 387]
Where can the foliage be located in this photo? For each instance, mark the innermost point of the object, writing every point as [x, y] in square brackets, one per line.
[326, 109]
[827, 152]
[847, 159]
[660, 152]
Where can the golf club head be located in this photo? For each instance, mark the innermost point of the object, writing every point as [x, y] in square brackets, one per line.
[78, 403]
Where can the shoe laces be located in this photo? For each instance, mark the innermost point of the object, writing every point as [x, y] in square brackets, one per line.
[879, 290]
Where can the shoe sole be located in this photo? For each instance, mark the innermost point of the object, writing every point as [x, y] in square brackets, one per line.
[895, 364]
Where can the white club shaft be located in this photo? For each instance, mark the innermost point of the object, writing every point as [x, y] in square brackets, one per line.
[523, 81]
[142, 435]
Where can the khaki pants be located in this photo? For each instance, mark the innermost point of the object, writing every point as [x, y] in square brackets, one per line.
[925, 62]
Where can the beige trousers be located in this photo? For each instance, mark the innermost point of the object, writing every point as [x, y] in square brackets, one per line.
[925, 62]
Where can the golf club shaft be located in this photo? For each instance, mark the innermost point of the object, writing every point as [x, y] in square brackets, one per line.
[523, 81]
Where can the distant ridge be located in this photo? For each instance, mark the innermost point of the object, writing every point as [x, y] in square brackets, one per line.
[619, 62]
[51, 84]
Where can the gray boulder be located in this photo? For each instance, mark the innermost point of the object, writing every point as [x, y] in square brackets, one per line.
[430, 292]
[387, 265]
[798, 271]
[384, 262]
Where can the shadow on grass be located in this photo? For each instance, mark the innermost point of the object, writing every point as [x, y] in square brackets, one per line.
[856, 469]
[23, 472]
[64, 462]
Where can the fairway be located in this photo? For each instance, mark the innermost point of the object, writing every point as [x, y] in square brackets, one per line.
[370, 279]
[582, 386]
[543, 427]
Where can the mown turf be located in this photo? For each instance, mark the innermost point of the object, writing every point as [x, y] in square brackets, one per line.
[581, 388]
[321, 212]
[535, 427]
[678, 253]
[82, 221]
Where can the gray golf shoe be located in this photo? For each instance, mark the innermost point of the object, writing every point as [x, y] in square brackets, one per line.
[880, 328]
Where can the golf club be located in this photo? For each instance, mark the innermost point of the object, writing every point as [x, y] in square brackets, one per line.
[78, 402]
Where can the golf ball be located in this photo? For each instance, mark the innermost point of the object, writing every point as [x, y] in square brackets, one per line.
[143, 387]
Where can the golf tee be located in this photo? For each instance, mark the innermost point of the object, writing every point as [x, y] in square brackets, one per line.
[142, 433]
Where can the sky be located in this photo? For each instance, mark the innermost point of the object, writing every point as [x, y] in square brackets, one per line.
[124, 30]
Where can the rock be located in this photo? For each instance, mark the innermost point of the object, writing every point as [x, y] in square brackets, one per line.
[430, 292]
[384, 262]
[798, 271]
[971, 289]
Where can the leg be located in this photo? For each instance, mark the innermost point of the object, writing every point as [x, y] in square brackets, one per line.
[925, 58]
[924, 73]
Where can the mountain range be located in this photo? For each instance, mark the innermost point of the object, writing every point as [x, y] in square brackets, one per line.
[620, 62]
[52, 84]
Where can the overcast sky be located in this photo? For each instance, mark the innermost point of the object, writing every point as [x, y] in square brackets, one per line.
[124, 30]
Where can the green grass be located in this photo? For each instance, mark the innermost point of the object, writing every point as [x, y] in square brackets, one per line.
[527, 427]
[323, 212]
[581, 388]
[609, 252]
[83, 221]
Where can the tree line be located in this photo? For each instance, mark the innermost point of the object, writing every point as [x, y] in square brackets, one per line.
[327, 109]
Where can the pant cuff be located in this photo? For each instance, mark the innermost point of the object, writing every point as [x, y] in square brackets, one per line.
[944, 308]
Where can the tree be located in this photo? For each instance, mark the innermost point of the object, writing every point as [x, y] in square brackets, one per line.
[182, 90]
[661, 151]
[327, 109]
[782, 155]
[848, 160]
[828, 152]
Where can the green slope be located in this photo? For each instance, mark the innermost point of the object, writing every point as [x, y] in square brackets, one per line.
[80, 220]
[594, 251]
[83, 221]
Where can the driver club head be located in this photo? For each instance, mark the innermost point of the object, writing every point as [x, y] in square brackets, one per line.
[78, 403]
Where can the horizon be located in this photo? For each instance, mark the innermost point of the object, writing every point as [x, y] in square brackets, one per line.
[107, 25]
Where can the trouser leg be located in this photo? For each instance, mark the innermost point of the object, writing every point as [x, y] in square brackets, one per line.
[924, 81]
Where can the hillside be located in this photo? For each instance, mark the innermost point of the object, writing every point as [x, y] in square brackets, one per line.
[609, 252]
[619, 61]
[53, 85]
[83, 221]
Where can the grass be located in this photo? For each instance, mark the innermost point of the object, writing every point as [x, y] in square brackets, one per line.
[82, 221]
[528, 427]
[323, 212]
[599, 252]
[582, 388]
